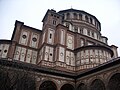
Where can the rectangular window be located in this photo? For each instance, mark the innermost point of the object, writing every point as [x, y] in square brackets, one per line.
[54, 22]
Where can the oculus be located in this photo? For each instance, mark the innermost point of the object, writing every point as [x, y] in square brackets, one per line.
[5, 51]
[24, 36]
[34, 39]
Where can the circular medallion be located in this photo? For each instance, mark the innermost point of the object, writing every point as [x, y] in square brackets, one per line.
[70, 41]
[34, 57]
[23, 54]
[67, 57]
[28, 55]
[17, 52]
[61, 54]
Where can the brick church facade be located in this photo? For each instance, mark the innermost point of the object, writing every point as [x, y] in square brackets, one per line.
[68, 53]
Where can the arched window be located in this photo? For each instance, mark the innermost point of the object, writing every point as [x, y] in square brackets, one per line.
[63, 16]
[98, 27]
[93, 34]
[76, 28]
[97, 84]
[80, 16]
[81, 30]
[86, 18]
[114, 82]
[48, 85]
[91, 21]
[75, 16]
[68, 15]
[67, 87]
[67, 25]
[54, 22]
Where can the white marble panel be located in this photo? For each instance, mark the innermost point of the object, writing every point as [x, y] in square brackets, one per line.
[70, 41]
[5, 50]
[22, 54]
[24, 37]
[34, 57]
[67, 57]
[43, 38]
[46, 53]
[41, 55]
[72, 59]
[1, 49]
[50, 36]
[95, 35]
[17, 53]
[28, 57]
[62, 40]
[84, 31]
[61, 54]
[51, 54]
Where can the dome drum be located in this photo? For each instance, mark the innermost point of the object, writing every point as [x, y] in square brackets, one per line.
[91, 56]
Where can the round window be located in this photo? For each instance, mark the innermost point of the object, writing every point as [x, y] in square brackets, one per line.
[5, 51]
[24, 36]
[34, 39]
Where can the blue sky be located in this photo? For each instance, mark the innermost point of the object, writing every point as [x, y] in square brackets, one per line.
[31, 12]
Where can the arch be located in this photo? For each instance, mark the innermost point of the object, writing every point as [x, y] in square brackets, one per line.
[48, 85]
[91, 21]
[86, 18]
[68, 15]
[80, 16]
[114, 82]
[82, 86]
[109, 76]
[63, 16]
[67, 87]
[97, 84]
[75, 15]
[76, 28]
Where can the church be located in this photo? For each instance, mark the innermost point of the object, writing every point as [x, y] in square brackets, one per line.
[69, 53]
